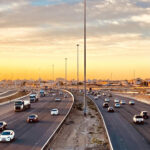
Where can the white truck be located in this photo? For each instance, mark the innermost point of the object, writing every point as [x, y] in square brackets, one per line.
[21, 105]
[33, 98]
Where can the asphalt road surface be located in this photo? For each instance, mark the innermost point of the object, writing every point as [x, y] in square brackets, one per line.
[34, 135]
[124, 134]
[6, 94]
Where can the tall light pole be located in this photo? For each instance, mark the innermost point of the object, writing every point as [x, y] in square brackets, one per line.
[77, 66]
[85, 102]
[65, 73]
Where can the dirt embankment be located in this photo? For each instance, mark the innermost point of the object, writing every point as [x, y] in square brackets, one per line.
[79, 132]
[17, 95]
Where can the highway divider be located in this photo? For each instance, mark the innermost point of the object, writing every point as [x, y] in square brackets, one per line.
[60, 125]
[7, 102]
[110, 143]
[8, 95]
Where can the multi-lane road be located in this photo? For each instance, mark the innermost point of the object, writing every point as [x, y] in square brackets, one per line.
[33, 136]
[124, 134]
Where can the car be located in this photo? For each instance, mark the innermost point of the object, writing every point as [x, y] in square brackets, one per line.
[138, 119]
[110, 109]
[32, 118]
[104, 94]
[116, 100]
[144, 114]
[105, 105]
[60, 93]
[57, 99]
[117, 105]
[107, 100]
[7, 136]
[54, 111]
[96, 98]
[98, 95]
[3, 125]
[66, 96]
[122, 102]
[53, 94]
[131, 102]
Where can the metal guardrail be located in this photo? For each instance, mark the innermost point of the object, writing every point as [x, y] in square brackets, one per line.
[61, 123]
[111, 147]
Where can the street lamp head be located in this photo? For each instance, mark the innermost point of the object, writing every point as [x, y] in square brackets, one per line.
[77, 44]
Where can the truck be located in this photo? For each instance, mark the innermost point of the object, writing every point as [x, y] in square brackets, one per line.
[21, 105]
[42, 93]
[33, 98]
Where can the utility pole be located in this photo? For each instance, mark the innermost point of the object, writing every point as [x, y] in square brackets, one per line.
[85, 101]
[65, 73]
[78, 67]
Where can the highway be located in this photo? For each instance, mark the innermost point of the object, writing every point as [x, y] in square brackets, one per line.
[124, 134]
[33, 136]
[7, 93]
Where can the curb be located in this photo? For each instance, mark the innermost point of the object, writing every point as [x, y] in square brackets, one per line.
[3, 103]
[61, 123]
[111, 147]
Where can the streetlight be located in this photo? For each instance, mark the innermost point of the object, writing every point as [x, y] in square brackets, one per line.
[65, 73]
[77, 66]
[85, 102]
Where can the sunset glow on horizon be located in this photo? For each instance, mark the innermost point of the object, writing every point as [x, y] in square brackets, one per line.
[35, 34]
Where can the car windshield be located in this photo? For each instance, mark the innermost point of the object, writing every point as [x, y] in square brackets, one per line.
[32, 96]
[145, 113]
[1, 123]
[32, 116]
[139, 117]
[54, 109]
[5, 133]
[18, 103]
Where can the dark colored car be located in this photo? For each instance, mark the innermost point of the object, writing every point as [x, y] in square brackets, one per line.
[144, 114]
[32, 118]
[3, 125]
[110, 109]
[105, 105]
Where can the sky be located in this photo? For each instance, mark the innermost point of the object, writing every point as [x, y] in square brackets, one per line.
[35, 34]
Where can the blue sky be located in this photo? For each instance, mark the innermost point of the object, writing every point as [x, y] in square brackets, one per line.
[52, 2]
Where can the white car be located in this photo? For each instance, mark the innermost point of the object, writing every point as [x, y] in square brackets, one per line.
[57, 99]
[96, 98]
[98, 95]
[122, 102]
[107, 100]
[138, 119]
[131, 102]
[116, 100]
[7, 136]
[53, 94]
[54, 111]
[117, 105]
